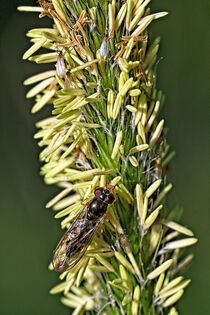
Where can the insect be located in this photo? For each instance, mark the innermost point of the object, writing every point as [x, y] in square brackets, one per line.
[104, 47]
[60, 65]
[75, 241]
[158, 168]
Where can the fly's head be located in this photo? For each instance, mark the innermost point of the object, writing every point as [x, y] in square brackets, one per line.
[105, 194]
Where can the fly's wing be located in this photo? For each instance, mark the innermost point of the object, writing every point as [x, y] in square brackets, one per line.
[74, 242]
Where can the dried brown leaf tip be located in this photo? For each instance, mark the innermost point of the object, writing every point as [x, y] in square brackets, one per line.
[104, 145]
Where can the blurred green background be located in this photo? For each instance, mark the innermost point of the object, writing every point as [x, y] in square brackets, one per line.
[28, 231]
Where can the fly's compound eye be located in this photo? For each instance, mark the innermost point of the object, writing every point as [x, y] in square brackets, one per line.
[98, 192]
[109, 198]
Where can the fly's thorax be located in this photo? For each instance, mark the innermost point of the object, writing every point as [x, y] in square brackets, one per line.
[96, 208]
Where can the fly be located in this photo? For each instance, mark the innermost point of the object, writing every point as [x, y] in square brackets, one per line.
[104, 47]
[75, 241]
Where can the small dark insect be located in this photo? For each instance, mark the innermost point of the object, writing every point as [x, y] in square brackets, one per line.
[75, 241]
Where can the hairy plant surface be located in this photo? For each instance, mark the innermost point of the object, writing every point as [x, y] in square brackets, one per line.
[106, 129]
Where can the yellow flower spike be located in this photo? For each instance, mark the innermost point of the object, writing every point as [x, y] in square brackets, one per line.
[71, 147]
[156, 133]
[155, 273]
[39, 87]
[177, 227]
[133, 161]
[125, 277]
[126, 300]
[120, 16]
[128, 48]
[152, 117]
[34, 48]
[135, 300]
[92, 85]
[58, 288]
[152, 188]
[153, 216]
[139, 200]
[138, 140]
[115, 180]
[167, 278]
[43, 100]
[60, 166]
[121, 150]
[169, 237]
[124, 262]
[117, 283]
[173, 299]
[145, 209]
[123, 78]
[114, 6]
[137, 4]
[88, 174]
[82, 124]
[105, 263]
[117, 144]
[65, 202]
[124, 190]
[138, 14]
[61, 10]
[103, 181]
[39, 77]
[79, 310]
[29, 9]
[111, 19]
[141, 132]
[92, 12]
[127, 85]
[126, 247]
[155, 236]
[131, 109]
[84, 65]
[101, 100]
[57, 198]
[63, 274]
[174, 290]
[134, 92]
[72, 211]
[138, 116]
[144, 113]
[173, 311]
[180, 243]
[171, 284]
[123, 64]
[142, 25]
[110, 102]
[139, 148]
[117, 105]
[159, 284]
[129, 12]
